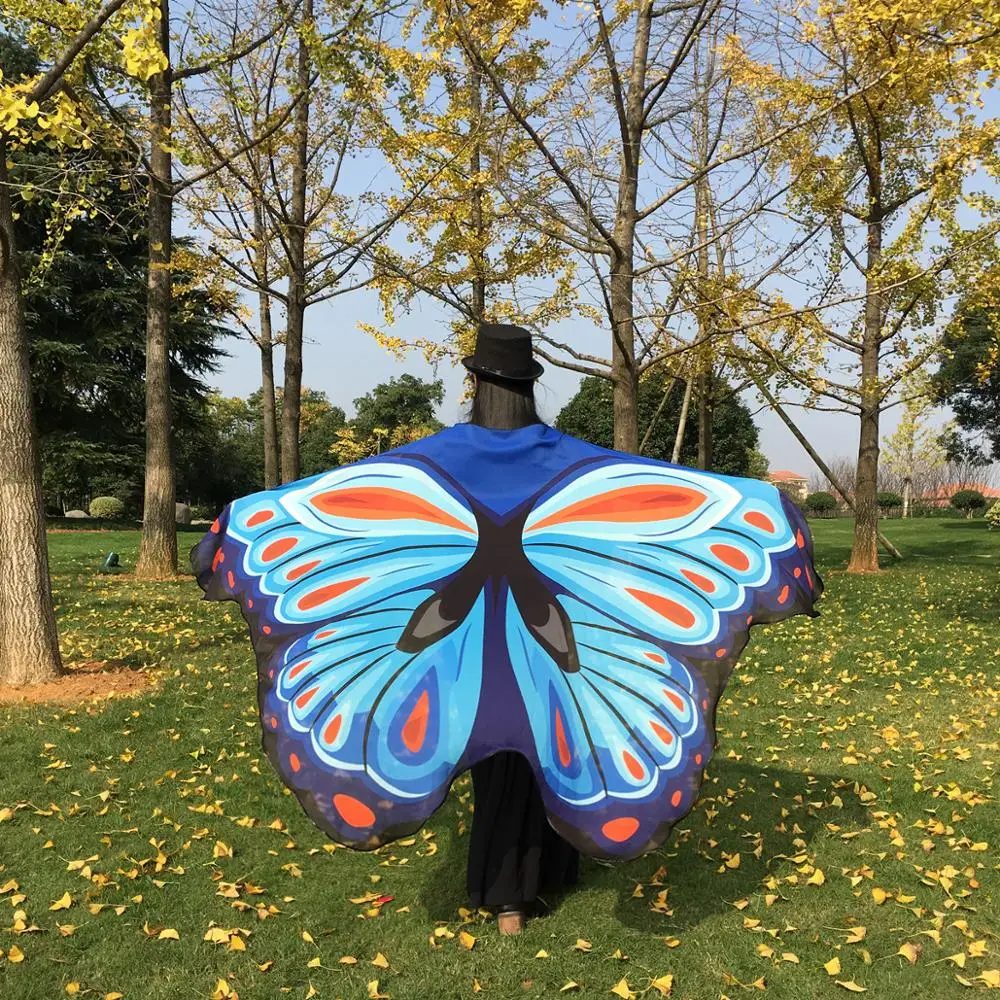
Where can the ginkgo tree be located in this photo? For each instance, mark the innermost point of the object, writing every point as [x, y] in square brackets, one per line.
[473, 242]
[896, 174]
[50, 107]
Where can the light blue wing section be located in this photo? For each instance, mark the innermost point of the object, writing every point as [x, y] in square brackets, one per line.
[350, 539]
[665, 553]
[615, 727]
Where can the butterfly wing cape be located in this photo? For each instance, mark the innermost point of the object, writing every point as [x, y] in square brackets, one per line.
[479, 591]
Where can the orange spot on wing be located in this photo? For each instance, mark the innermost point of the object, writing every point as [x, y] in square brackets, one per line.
[620, 829]
[701, 582]
[220, 557]
[296, 764]
[326, 633]
[562, 745]
[797, 572]
[306, 697]
[302, 569]
[731, 556]
[379, 503]
[634, 766]
[628, 504]
[415, 728]
[274, 722]
[759, 520]
[800, 538]
[809, 576]
[720, 653]
[655, 657]
[332, 728]
[353, 811]
[663, 606]
[259, 518]
[697, 759]
[675, 799]
[323, 594]
[675, 699]
[662, 732]
[231, 580]
[783, 596]
[266, 629]
[278, 548]
[297, 669]
[215, 526]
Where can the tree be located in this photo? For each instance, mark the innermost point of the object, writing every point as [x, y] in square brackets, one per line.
[968, 500]
[886, 173]
[968, 376]
[404, 401]
[589, 415]
[821, 503]
[29, 649]
[914, 453]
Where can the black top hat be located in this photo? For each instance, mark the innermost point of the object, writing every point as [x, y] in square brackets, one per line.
[504, 351]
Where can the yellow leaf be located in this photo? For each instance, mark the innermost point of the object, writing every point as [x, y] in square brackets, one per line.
[910, 951]
[991, 977]
[72, 988]
[856, 934]
[790, 956]
[66, 930]
[348, 960]
[568, 985]
[621, 989]
[582, 945]
[466, 940]
[958, 959]
[832, 967]
[222, 850]
[114, 995]
[15, 954]
[672, 942]
[380, 961]
[265, 966]
[222, 991]
[817, 877]
[64, 902]
[307, 937]
[541, 953]
[314, 963]
[879, 895]
[734, 861]
[373, 992]
[168, 934]
[851, 985]
[663, 985]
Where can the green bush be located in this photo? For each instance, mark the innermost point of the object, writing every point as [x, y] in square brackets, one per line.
[107, 508]
[821, 503]
[968, 500]
[888, 501]
[993, 515]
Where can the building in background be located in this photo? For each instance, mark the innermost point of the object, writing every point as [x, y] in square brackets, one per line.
[941, 497]
[793, 483]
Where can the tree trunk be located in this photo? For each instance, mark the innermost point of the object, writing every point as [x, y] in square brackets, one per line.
[292, 397]
[266, 345]
[705, 418]
[864, 550]
[475, 84]
[907, 489]
[158, 551]
[29, 644]
[623, 373]
[682, 420]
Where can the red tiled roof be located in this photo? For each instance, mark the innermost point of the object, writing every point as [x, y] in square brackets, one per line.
[946, 492]
[786, 476]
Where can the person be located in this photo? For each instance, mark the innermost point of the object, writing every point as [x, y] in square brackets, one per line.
[514, 853]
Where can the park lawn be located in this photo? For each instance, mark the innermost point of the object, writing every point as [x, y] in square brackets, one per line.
[849, 814]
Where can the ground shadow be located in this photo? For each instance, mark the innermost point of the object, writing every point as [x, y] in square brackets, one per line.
[737, 799]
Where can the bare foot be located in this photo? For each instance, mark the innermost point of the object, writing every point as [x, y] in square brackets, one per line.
[511, 922]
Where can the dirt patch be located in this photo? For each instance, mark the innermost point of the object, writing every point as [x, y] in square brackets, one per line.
[82, 683]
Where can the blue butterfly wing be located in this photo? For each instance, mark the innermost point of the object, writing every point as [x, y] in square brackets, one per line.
[660, 571]
[329, 572]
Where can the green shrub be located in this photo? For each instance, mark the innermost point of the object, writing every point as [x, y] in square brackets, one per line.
[993, 515]
[889, 502]
[968, 500]
[821, 503]
[107, 508]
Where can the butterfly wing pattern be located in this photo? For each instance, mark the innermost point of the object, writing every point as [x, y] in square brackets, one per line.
[329, 572]
[661, 571]
[405, 629]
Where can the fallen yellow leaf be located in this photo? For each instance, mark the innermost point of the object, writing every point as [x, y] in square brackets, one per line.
[663, 985]
[168, 934]
[380, 961]
[621, 989]
[64, 902]
[910, 950]
[466, 940]
[15, 954]
[832, 967]
[851, 986]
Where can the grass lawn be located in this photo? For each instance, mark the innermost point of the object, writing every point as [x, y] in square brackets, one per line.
[847, 838]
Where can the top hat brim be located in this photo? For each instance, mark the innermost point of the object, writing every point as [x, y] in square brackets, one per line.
[534, 371]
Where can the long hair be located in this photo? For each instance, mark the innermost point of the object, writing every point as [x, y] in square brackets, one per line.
[502, 404]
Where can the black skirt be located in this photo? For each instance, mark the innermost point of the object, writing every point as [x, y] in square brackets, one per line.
[513, 852]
